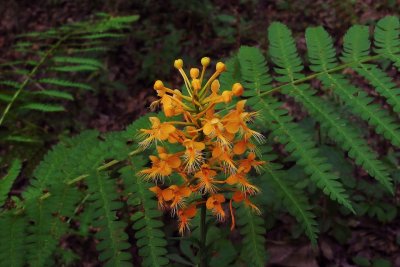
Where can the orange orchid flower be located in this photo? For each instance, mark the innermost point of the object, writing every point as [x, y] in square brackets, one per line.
[240, 196]
[251, 161]
[214, 203]
[162, 166]
[158, 132]
[184, 217]
[193, 154]
[224, 156]
[240, 179]
[206, 182]
[176, 195]
[242, 145]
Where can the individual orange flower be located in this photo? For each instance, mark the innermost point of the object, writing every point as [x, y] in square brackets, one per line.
[214, 203]
[237, 120]
[213, 127]
[242, 145]
[158, 132]
[161, 166]
[240, 196]
[224, 156]
[193, 154]
[251, 161]
[176, 195]
[171, 106]
[184, 217]
[206, 182]
[240, 179]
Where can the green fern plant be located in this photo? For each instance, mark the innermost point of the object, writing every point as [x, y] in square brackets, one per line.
[91, 180]
[51, 65]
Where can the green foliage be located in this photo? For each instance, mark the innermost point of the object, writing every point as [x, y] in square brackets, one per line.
[146, 220]
[292, 80]
[55, 60]
[113, 239]
[253, 231]
[12, 237]
[7, 181]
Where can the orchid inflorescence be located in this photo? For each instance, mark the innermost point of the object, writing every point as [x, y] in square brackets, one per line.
[215, 152]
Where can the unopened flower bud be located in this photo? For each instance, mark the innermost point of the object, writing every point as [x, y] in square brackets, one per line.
[205, 61]
[196, 84]
[215, 86]
[158, 85]
[227, 96]
[220, 67]
[194, 73]
[178, 64]
[237, 89]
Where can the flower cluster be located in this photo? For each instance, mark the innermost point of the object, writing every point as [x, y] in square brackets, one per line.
[213, 152]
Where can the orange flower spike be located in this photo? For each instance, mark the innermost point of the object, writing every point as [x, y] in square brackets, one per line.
[158, 132]
[240, 179]
[251, 161]
[205, 179]
[193, 154]
[184, 217]
[214, 203]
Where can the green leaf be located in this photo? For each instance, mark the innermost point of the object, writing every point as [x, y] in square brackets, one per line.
[55, 94]
[43, 107]
[7, 181]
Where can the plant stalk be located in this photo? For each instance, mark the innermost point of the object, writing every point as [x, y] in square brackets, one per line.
[203, 235]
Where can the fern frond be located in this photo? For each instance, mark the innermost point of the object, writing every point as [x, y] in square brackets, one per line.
[65, 83]
[12, 236]
[252, 229]
[40, 243]
[282, 49]
[74, 69]
[113, 239]
[55, 94]
[149, 237]
[43, 107]
[300, 145]
[322, 56]
[79, 60]
[322, 109]
[293, 199]
[296, 141]
[356, 47]
[7, 181]
[386, 39]
[254, 71]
